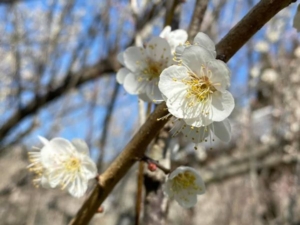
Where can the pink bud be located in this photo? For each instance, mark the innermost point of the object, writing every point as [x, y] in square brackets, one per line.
[152, 166]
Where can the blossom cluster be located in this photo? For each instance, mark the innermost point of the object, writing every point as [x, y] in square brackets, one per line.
[65, 164]
[194, 85]
[192, 82]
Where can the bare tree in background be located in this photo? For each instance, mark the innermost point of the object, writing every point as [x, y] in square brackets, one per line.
[58, 61]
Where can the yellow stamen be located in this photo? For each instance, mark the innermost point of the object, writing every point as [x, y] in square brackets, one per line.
[185, 180]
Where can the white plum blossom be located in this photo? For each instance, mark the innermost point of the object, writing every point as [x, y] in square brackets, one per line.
[174, 38]
[183, 185]
[143, 67]
[221, 130]
[65, 164]
[201, 40]
[195, 90]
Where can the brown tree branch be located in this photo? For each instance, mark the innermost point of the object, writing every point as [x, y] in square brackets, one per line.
[248, 26]
[135, 149]
[103, 67]
[197, 18]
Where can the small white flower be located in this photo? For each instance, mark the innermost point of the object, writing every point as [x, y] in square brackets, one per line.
[221, 130]
[196, 89]
[183, 185]
[201, 40]
[143, 67]
[65, 164]
[174, 38]
[296, 22]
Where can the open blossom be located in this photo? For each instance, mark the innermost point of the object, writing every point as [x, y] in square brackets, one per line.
[143, 67]
[174, 38]
[221, 130]
[183, 185]
[201, 40]
[65, 164]
[195, 90]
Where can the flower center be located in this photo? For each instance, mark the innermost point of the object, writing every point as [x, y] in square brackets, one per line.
[185, 180]
[153, 70]
[199, 88]
[72, 164]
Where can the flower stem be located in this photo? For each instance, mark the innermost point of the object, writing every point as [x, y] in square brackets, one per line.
[147, 159]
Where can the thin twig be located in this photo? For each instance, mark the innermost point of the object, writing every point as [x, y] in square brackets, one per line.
[159, 166]
[197, 18]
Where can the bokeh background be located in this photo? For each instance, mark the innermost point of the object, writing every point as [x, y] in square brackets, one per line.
[57, 79]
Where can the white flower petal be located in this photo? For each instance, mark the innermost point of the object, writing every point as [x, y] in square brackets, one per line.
[89, 168]
[195, 134]
[135, 58]
[55, 177]
[204, 41]
[170, 80]
[179, 36]
[166, 31]
[220, 74]
[133, 86]
[153, 92]
[177, 171]
[78, 187]
[174, 38]
[81, 146]
[120, 58]
[185, 200]
[158, 49]
[179, 51]
[222, 105]
[194, 57]
[222, 130]
[200, 121]
[55, 151]
[121, 74]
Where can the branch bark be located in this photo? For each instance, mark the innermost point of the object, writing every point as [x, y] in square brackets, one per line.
[135, 149]
[197, 18]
